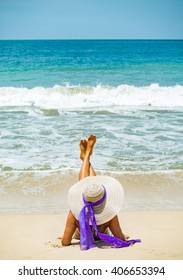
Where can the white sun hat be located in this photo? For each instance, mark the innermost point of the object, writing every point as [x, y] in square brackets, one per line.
[92, 188]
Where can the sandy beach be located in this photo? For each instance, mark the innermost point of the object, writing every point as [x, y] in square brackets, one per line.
[34, 210]
[34, 237]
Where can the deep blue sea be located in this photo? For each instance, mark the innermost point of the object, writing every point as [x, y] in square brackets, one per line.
[55, 92]
[91, 62]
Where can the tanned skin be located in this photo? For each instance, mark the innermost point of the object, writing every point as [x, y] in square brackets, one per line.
[72, 224]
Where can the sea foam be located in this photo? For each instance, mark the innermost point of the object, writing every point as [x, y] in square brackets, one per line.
[74, 97]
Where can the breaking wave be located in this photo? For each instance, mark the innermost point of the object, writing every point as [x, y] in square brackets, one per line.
[75, 97]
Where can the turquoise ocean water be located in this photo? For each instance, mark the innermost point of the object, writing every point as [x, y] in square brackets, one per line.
[55, 92]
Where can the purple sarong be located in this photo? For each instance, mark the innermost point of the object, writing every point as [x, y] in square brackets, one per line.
[86, 236]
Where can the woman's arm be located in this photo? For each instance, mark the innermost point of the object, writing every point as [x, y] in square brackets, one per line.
[69, 230]
[115, 228]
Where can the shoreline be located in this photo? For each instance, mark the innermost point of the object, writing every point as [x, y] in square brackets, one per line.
[34, 237]
[45, 193]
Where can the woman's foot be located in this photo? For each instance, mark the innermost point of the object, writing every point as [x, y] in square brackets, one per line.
[87, 145]
[90, 144]
[83, 145]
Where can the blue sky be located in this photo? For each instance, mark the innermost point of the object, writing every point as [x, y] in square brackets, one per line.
[91, 19]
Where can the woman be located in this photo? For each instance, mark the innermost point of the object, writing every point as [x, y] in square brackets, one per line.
[94, 203]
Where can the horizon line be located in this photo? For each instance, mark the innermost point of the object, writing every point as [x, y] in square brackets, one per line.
[90, 39]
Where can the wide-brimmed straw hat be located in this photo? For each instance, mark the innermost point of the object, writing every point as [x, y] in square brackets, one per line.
[92, 188]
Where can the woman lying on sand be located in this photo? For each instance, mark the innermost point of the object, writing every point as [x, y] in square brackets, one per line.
[94, 203]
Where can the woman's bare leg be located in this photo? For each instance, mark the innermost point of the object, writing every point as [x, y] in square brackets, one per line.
[86, 148]
[92, 171]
